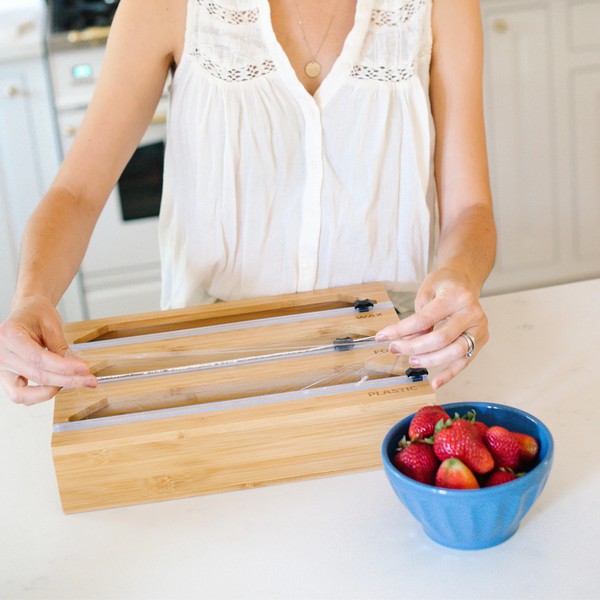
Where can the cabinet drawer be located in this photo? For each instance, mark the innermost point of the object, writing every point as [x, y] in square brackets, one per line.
[584, 21]
[143, 296]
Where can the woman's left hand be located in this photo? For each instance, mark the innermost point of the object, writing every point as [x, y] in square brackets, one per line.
[445, 308]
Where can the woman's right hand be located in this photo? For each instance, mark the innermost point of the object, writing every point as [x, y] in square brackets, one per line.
[33, 350]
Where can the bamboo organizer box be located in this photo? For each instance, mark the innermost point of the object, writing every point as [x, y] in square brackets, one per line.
[230, 396]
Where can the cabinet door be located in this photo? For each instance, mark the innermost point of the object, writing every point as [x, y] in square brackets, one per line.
[8, 259]
[585, 142]
[522, 144]
[29, 159]
[20, 154]
[20, 185]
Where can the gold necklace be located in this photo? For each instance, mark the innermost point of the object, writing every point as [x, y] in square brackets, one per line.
[313, 67]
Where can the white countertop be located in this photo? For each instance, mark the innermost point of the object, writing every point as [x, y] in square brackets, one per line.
[341, 537]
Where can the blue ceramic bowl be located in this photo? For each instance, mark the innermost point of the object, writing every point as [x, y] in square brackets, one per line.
[473, 519]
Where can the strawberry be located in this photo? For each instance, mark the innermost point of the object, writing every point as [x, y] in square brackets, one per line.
[481, 427]
[454, 474]
[499, 477]
[417, 461]
[503, 447]
[528, 447]
[462, 440]
[423, 423]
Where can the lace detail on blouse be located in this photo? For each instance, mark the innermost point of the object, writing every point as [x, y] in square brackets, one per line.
[233, 74]
[393, 18]
[384, 74]
[213, 38]
[399, 32]
[230, 16]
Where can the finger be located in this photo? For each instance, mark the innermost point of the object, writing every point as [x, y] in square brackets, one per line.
[54, 339]
[457, 349]
[20, 392]
[36, 370]
[411, 326]
[434, 313]
[424, 296]
[20, 343]
[23, 347]
[432, 341]
[449, 373]
[35, 394]
[392, 333]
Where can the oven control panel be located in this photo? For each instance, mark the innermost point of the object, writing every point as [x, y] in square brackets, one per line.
[74, 75]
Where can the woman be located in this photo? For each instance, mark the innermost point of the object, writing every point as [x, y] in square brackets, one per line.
[310, 144]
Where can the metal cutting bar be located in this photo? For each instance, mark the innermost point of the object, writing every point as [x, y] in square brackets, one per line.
[233, 361]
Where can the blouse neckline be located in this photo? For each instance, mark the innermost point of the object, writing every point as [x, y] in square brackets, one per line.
[341, 67]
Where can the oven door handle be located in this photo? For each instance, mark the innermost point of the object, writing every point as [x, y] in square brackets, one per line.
[89, 35]
[159, 118]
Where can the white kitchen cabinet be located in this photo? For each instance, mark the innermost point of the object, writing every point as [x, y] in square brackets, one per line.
[29, 160]
[8, 259]
[542, 101]
[585, 141]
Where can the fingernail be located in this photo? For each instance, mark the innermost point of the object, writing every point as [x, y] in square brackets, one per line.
[414, 361]
[82, 370]
[90, 382]
[382, 337]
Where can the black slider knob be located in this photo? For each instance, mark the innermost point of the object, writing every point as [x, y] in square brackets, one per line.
[416, 374]
[343, 344]
[364, 305]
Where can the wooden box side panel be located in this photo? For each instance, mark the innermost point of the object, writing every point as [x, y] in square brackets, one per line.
[248, 448]
[83, 331]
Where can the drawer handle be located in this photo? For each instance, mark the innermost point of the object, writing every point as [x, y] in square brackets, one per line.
[26, 27]
[89, 35]
[500, 25]
[10, 91]
[159, 118]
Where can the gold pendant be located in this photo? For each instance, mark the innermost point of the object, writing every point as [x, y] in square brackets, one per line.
[313, 69]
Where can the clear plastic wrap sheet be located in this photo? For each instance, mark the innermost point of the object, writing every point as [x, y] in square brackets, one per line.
[227, 366]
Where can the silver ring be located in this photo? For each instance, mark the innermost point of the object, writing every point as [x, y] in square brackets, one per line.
[471, 341]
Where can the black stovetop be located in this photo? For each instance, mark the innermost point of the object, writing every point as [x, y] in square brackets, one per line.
[73, 15]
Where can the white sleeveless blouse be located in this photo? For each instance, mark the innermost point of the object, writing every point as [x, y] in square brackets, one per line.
[270, 190]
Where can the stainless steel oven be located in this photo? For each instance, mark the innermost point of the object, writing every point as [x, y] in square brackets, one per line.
[121, 271]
